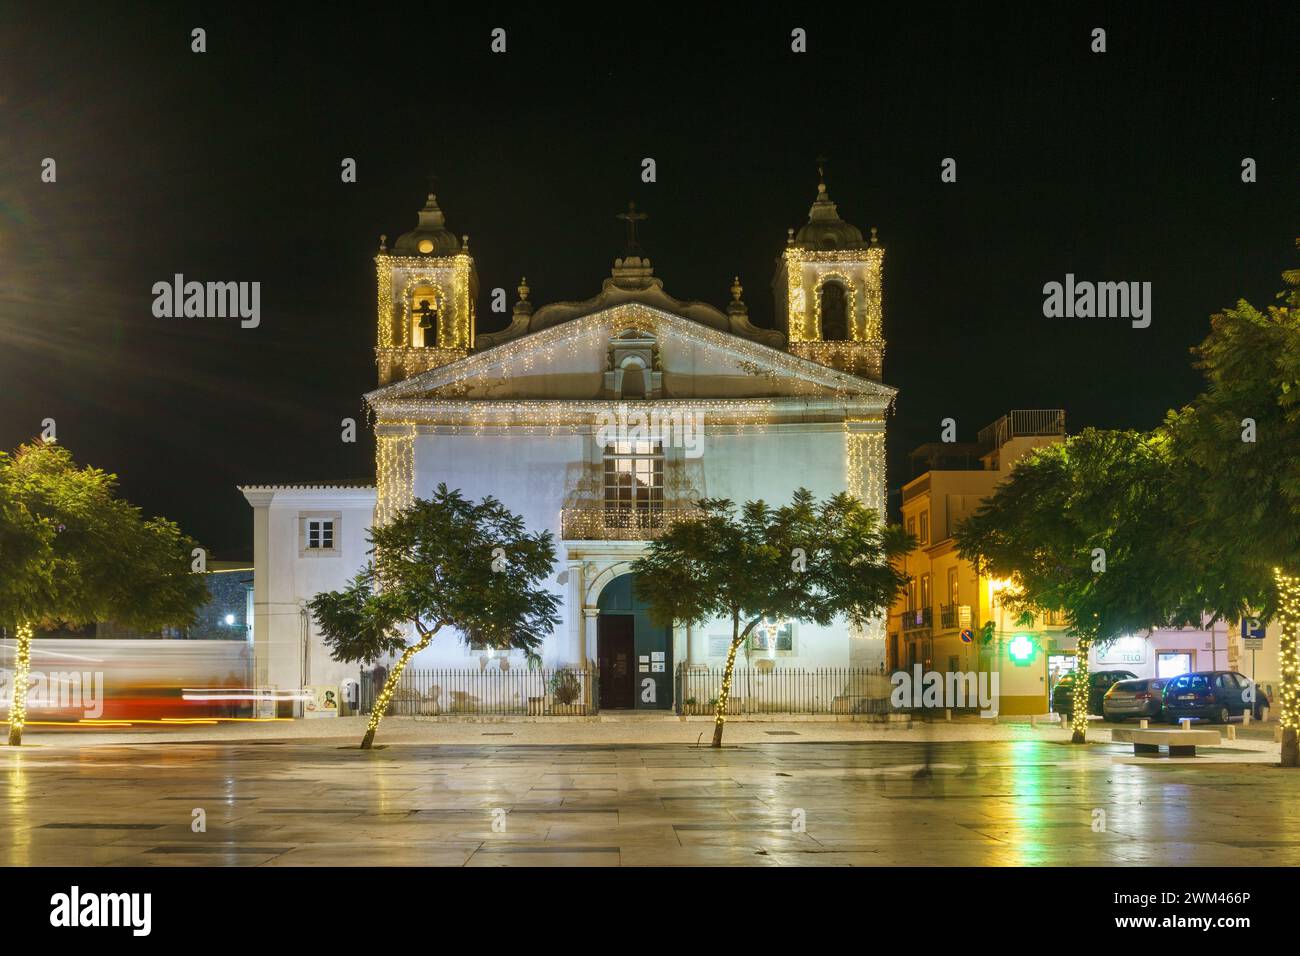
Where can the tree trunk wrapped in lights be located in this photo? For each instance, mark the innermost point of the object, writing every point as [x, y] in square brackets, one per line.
[724, 695]
[444, 562]
[380, 708]
[22, 670]
[1079, 692]
[1288, 620]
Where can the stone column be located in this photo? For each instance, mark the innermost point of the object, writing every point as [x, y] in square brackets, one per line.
[591, 616]
[573, 598]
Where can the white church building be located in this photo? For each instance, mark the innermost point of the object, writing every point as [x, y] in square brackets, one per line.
[602, 421]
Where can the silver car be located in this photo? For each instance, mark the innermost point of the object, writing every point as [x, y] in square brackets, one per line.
[1140, 697]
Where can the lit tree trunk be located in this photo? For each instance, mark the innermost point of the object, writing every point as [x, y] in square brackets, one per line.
[22, 668]
[1079, 721]
[1288, 588]
[737, 636]
[390, 685]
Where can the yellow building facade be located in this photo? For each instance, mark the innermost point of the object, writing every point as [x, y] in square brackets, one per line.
[942, 621]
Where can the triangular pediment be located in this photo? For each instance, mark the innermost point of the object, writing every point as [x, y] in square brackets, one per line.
[570, 361]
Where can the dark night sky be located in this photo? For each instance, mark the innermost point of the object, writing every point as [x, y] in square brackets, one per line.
[225, 166]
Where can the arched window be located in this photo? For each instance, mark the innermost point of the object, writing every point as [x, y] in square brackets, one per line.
[633, 379]
[425, 316]
[835, 312]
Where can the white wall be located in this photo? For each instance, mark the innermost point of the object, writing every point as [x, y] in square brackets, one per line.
[285, 580]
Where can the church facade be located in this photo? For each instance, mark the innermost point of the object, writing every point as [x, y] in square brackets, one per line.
[602, 421]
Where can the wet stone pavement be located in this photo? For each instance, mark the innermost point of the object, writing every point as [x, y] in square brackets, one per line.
[289, 803]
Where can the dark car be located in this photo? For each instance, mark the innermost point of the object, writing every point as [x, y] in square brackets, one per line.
[1098, 684]
[1213, 695]
[1142, 697]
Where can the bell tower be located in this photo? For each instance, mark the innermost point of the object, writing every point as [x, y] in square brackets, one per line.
[427, 290]
[828, 291]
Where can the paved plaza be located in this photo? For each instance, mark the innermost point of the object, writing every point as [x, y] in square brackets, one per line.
[792, 794]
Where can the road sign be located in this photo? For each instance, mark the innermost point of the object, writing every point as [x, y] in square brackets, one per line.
[1252, 634]
[967, 635]
[963, 615]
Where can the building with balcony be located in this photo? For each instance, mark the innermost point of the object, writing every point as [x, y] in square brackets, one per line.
[952, 618]
[940, 621]
[604, 421]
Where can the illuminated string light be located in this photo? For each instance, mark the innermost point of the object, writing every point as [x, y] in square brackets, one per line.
[395, 355]
[394, 470]
[22, 671]
[858, 269]
[1288, 587]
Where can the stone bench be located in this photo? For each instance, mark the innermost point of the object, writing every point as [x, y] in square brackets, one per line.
[1181, 743]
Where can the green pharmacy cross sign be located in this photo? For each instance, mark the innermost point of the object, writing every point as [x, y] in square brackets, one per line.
[1021, 649]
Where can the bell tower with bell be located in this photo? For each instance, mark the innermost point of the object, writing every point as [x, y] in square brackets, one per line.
[427, 290]
[828, 291]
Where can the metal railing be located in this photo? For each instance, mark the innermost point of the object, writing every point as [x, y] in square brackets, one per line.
[918, 619]
[521, 692]
[783, 690]
[598, 523]
[1023, 422]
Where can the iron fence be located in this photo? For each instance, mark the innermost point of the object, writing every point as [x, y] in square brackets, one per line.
[783, 690]
[523, 692]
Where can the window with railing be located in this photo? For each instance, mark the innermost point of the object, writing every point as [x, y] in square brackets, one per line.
[634, 483]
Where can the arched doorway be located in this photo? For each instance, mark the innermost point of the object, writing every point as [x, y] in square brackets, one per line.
[634, 657]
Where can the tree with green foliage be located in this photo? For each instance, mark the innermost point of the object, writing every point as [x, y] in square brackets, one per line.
[805, 561]
[73, 554]
[1239, 448]
[444, 562]
[1087, 528]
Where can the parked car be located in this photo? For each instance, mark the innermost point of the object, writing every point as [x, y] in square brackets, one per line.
[1142, 697]
[1213, 695]
[1098, 684]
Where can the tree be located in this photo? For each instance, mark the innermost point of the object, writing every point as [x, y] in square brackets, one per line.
[74, 554]
[1239, 445]
[1086, 528]
[444, 562]
[803, 561]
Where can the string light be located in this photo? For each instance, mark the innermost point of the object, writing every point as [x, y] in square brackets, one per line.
[1288, 587]
[385, 697]
[863, 358]
[589, 337]
[22, 669]
[394, 470]
[455, 333]
[856, 268]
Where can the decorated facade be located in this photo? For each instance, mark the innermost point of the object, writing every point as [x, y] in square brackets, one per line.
[604, 421]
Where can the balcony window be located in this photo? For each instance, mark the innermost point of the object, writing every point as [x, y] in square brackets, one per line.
[634, 483]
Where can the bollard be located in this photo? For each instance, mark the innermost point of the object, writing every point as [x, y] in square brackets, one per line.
[1245, 718]
[1143, 723]
[1186, 722]
[1232, 732]
[947, 715]
[1277, 734]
